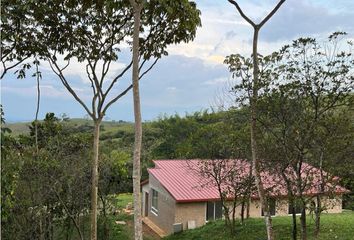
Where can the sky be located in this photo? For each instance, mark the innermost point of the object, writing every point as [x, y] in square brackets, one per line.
[192, 77]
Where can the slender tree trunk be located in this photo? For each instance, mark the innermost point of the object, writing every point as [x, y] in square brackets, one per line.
[255, 161]
[41, 233]
[294, 230]
[105, 226]
[243, 210]
[291, 200]
[253, 106]
[249, 190]
[318, 207]
[318, 210]
[68, 227]
[38, 76]
[138, 232]
[94, 179]
[303, 222]
[233, 226]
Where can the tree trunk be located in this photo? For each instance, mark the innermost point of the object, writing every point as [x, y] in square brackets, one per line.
[105, 226]
[68, 227]
[243, 210]
[294, 230]
[255, 161]
[233, 226]
[37, 109]
[318, 216]
[303, 222]
[138, 233]
[94, 180]
[318, 207]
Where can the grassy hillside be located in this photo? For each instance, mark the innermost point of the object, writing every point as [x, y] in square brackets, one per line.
[334, 226]
[108, 127]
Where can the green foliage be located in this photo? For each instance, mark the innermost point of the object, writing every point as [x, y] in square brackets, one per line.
[304, 104]
[51, 188]
[202, 135]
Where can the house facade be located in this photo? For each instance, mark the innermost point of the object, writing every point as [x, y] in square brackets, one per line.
[173, 199]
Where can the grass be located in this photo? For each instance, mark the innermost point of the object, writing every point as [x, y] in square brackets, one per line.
[118, 231]
[333, 226]
[123, 199]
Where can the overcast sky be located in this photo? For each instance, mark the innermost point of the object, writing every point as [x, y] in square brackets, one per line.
[191, 76]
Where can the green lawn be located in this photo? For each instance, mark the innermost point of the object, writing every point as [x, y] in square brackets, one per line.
[334, 226]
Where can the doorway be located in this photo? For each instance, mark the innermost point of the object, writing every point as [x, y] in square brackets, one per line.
[146, 208]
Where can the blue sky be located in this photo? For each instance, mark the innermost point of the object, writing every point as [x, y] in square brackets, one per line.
[192, 77]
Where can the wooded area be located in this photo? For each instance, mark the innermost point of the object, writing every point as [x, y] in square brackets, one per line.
[61, 178]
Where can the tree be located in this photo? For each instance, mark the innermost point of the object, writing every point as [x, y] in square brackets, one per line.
[115, 178]
[138, 227]
[253, 105]
[93, 33]
[17, 33]
[232, 180]
[49, 188]
[307, 85]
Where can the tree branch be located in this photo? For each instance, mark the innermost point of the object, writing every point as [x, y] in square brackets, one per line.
[59, 73]
[243, 15]
[271, 13]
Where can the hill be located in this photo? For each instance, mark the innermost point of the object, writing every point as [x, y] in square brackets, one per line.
[108, 127]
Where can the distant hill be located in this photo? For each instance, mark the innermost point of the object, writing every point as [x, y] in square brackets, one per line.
[107, 126]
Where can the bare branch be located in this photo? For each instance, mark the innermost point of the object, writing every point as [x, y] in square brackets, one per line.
[116, 78]
[254, 25]
[59, 73]
[271, 13]
[242, 13]
[147, 70]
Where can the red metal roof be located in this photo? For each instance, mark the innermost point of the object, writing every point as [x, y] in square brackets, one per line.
[182, 179]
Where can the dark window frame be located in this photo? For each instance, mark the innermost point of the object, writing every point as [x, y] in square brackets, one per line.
[297, 208]
[272, 202]
[213, 210]
[154, 201]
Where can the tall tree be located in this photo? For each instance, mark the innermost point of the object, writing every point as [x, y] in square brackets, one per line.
[94, 33]
[138, 228]
[253, 105]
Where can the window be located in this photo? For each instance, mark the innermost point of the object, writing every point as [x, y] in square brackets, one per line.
[272, 206]
[213, 211]
[154, 206]
[297, 208]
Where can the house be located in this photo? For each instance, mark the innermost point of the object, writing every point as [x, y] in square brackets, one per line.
[176, 197]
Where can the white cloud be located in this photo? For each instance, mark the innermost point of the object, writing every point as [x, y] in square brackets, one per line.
[76, 68]
[217, 81]
[46, 91]
[172, 89]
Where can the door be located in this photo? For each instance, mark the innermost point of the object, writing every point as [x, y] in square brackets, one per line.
[146, 204]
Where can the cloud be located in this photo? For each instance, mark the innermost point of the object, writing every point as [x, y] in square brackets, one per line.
[172, 89]
[217, 81]
[303, 18]
[46, 90]
[224, 32]
[78, 69]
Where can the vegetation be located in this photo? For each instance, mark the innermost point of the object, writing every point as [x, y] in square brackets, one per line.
[334, 226]
[292, 107]
[254, 80]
